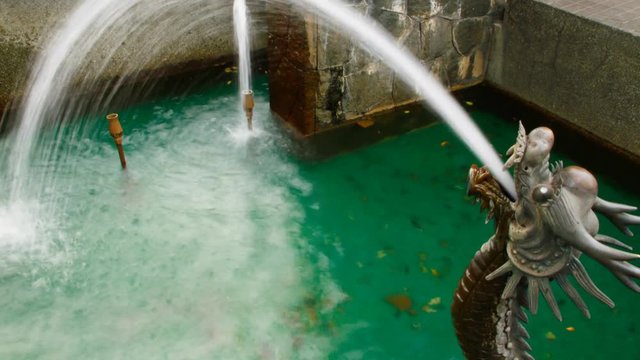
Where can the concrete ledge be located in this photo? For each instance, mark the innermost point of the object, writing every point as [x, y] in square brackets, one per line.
[579, 69]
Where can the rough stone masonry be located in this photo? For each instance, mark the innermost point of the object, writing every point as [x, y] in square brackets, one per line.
[320, 78]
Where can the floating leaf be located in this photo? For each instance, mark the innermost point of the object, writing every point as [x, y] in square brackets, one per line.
[435, 301]
[428, 309]
[382, 254]
[401, 302]
[366, 123]
[550, 336]
[571, 329]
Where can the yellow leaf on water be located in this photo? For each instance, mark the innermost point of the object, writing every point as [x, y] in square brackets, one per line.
[381, 254]
[571, 329]
[428, 309]
[550, 336]
[435, 272]
[435, 301]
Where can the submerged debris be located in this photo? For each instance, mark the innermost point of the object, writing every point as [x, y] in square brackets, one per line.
[433, 305]
[401, 302]
[366, 123]
[550, 336]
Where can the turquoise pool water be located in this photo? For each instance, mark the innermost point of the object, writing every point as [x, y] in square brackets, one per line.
[219, 245]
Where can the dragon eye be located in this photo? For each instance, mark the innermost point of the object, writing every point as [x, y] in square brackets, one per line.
[542, 193]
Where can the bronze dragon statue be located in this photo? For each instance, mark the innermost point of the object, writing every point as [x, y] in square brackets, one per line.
[539, 238]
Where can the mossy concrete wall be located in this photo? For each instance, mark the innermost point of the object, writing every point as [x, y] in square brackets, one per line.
[21, 25]
[320, 78]
[161, 44]
[578, 69]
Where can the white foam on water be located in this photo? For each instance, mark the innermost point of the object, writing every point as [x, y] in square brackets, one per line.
[28, 239]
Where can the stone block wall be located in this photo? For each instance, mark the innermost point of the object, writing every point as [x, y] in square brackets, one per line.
[582, 70]
[320, 78]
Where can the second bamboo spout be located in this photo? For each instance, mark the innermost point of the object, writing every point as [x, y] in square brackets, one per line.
[248, 104]
[115, 129]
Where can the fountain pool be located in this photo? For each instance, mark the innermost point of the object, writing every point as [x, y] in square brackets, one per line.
[219, 243]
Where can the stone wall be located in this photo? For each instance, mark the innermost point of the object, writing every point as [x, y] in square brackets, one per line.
[195, 33]
[20, 31]
[321, 79]
[579, 69]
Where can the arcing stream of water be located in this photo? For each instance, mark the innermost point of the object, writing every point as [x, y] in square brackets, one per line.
[52, 73]
[243, 43]
[29, 222]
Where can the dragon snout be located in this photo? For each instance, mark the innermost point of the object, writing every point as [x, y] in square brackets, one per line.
[476, 176]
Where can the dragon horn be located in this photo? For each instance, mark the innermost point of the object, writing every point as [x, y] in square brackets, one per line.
[516, 152]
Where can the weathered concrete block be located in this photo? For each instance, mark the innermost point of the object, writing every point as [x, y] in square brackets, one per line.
[475, 8]
[470, 33]
[419, 9]
[437, 37]
[334, 49]
[360, 97]
[582, 71]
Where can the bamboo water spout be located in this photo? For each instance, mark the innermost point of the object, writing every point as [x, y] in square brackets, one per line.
[115, 129]
[248, 104]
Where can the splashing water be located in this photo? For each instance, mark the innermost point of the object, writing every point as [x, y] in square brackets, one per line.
[192, 253]
[49, 74]
[53, 75]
